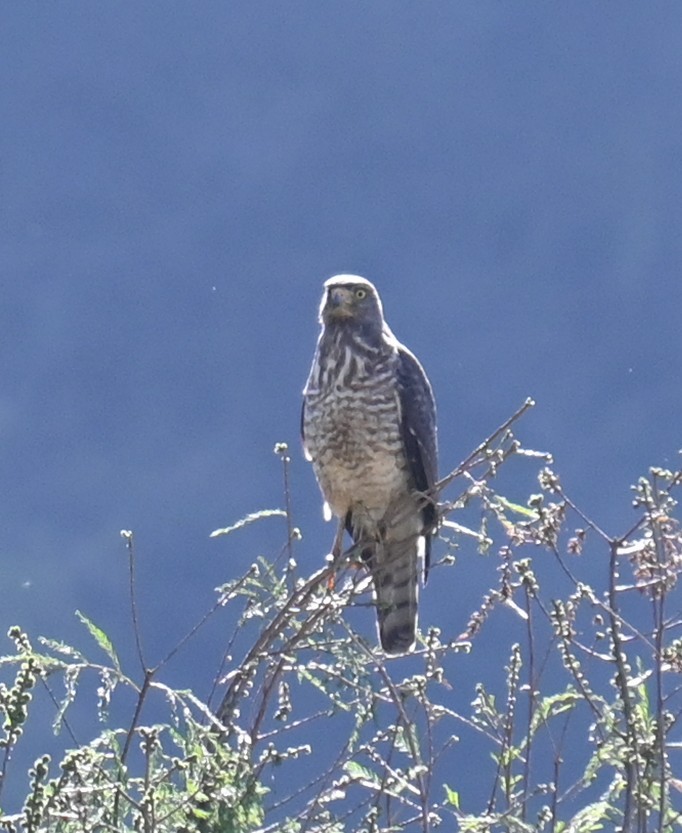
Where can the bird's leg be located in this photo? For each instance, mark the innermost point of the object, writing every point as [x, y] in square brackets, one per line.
[338, 540]
[336, 551]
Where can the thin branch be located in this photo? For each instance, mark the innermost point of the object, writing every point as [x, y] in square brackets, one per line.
[132, 584]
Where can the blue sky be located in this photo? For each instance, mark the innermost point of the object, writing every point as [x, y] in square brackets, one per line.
[178, 180]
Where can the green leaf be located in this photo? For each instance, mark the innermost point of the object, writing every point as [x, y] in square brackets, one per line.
[591, 818]
[402, 741]
[554, 705]
[101, 639]
[516, 507]
[362, 773]
[451, 796]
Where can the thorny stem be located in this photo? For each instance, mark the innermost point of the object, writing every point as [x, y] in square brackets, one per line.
[226, 652]
[298, 598]
[476, 453]
[415, 753]
[405, 506]
[132, 584]
[624, 691]
[658, 603]
[556, 487]
[148, 674]
[283, 450]
[271, 682]
[528, 750]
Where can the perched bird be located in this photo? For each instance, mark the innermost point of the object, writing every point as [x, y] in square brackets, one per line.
[369, 427]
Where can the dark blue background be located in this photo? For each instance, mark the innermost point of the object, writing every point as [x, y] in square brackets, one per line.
[177, 180]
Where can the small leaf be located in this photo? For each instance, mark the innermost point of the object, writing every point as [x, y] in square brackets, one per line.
[362, 774]
[515, 507]
[451, 796]
[61, 648]
[402, 741]
[101, 639]
[249, 519]
[555, 704]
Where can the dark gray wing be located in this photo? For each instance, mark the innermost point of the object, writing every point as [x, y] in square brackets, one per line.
[419, 434]
[302, 425]
[306, 453]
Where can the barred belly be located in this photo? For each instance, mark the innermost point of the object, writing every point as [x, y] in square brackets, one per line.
[354, 440]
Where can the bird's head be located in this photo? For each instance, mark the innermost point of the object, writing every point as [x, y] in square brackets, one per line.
[351, 299]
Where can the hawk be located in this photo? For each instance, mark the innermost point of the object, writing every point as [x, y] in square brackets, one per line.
[369, 427]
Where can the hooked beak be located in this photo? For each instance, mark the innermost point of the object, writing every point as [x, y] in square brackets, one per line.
[338, 302]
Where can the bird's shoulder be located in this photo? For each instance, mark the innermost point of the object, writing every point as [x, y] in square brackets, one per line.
[412, 376]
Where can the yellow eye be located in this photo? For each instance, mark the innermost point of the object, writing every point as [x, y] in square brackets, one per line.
[360, 294]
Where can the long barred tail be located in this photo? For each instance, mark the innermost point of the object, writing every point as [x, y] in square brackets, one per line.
[394, 566]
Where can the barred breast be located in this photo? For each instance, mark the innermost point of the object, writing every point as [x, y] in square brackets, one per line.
[353, 437]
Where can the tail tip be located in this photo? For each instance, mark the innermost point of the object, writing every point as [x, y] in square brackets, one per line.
[397, 640]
